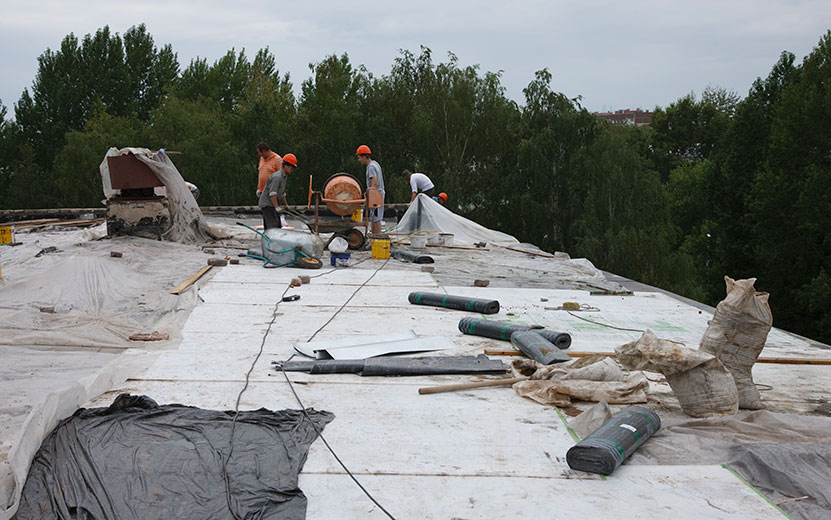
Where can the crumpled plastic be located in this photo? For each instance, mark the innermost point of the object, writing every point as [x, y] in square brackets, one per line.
[600, 379]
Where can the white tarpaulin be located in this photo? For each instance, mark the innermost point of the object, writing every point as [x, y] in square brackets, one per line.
[425, 214]
[187, 223]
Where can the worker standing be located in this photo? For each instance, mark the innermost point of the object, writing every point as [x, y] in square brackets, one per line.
[274, 189]
[270, 162]
[374, 179]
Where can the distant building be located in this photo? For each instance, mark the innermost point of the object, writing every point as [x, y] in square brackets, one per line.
[636, 117]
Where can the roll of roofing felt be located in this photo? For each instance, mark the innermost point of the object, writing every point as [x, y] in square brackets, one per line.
[460, 303]
[536, 347]
[503, 331]
[606, 448]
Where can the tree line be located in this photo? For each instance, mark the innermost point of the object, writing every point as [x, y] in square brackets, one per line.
[718, 184]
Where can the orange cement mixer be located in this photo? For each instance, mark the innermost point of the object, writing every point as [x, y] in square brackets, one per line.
[342, 194]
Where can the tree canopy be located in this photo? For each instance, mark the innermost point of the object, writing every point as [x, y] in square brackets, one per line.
[718, 184]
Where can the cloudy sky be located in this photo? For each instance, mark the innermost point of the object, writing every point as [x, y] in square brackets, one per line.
[637, 53]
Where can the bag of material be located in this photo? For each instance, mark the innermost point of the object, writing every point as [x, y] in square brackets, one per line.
[737, 335]
[606, 448]
[702, 384]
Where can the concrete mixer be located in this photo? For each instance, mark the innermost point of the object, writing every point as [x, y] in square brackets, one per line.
[343, 196]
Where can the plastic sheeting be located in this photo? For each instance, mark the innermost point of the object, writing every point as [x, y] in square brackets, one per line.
[606, 448]
[425, 214]
[136, 459]
[187, 223]
[459, 303]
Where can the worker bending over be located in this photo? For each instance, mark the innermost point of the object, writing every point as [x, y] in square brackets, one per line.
[419, 183]
[275, 187]
[270, 162]
[374, 179]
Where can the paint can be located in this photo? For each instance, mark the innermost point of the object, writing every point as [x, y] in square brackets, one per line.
[358, 215]
[381, 247]
[339, 259]
[418, 241]
[433, 239]
[446, 239]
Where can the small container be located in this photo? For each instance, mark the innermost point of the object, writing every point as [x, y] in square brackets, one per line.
[339, 259]
[358, 215]
[418, 241]
[381, 247]
[433, 239]
[446, 239]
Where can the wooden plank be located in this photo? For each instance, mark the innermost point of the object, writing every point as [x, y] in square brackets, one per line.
[543, 255]
[467, 248]
[466, 386]
[772, 360]
[190, 281]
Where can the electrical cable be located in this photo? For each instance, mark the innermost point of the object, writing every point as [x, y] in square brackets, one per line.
[297, 397]
[603, 324]
[236, 406]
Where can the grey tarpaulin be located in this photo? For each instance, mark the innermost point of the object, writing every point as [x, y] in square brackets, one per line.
[536, 347]
[459, 303]
[498, 330]
[388, 366]
[787, 471]
[409, 256]
[136, 459]
[606, 448]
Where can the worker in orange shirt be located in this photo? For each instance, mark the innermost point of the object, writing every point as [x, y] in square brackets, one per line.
[270, 162]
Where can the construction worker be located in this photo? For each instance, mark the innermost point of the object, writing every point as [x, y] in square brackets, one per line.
[270, 162]
[274, 189]
[374, 179]
[441, 199]
[419, 183]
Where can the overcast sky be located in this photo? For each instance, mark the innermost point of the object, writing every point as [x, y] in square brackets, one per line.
[615, 54]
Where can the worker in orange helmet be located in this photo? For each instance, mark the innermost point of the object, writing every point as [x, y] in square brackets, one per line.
[441, 198]
[274, 189]
[374, 179]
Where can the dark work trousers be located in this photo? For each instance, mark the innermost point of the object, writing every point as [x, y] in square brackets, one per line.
[430, 192]
[270, 218]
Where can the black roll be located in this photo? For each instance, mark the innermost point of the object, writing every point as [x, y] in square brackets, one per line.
[460, 303]
[536, 347]
[606, 448]
[498, 330]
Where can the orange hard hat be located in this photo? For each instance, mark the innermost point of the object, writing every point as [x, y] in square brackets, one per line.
[443, 196]
[291, 159]
[363, 150]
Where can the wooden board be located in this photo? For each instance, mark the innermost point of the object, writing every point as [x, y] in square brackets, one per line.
[187, 283]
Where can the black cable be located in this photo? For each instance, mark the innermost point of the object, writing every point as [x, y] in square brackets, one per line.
[236, 407]
[297, 397]
[603, 324]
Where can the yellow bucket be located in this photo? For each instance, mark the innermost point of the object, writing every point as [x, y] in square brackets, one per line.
[381, 248]
[358, 215]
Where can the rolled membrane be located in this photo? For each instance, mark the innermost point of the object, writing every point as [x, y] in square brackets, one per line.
[536, 347]
[498, 330]
[608, 446]
[459, 303]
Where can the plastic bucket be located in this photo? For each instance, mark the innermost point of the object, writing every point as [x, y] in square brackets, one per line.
[433, 239]
[381, 248]
[446, 239]
[418, 241]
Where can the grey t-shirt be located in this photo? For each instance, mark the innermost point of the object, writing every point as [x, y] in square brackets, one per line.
[373, 169]
[274, 186]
